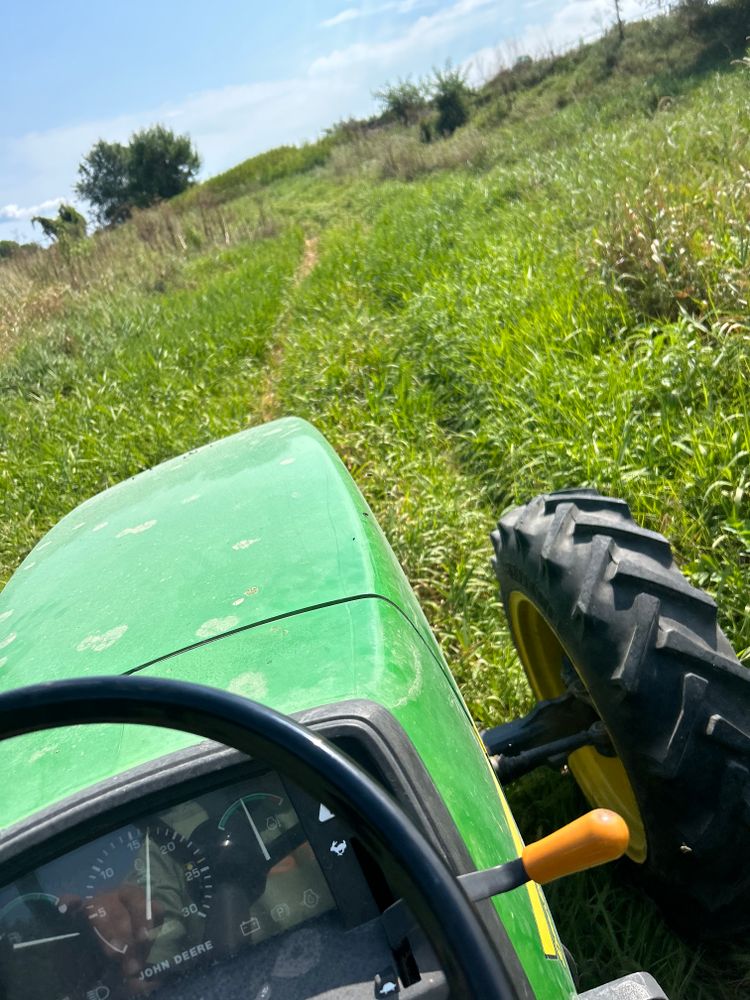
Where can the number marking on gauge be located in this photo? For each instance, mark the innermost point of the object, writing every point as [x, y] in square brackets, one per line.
[146, 859]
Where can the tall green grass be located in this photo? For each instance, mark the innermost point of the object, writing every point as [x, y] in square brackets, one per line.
[264, 169]
[127, 382]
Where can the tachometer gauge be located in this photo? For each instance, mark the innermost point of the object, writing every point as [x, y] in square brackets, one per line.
[147, 897]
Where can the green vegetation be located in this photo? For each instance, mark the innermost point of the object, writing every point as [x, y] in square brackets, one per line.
[9, 248]
[407, 103]
[69, 225]
[260, 171]
[555, 295]
[403, 101]
[451, 97]
[155, 165]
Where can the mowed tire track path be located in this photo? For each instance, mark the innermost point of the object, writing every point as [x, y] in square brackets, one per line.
[269, 405]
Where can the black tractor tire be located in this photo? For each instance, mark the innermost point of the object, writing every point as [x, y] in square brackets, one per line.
[585, 587]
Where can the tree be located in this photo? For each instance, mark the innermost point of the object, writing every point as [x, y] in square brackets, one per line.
[161, 165]
[402, 100]
[155, 165]
[104, 182]
[69, 225]
[617, 4]
[10, 248]
[451, 96]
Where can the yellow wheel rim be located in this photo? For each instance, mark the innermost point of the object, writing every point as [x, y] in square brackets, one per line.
[602, 779]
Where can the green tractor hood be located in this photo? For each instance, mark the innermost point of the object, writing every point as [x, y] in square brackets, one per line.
[252, 565]
[255, 527]
[255, 566]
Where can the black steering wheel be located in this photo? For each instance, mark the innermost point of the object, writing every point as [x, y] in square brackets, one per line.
[469, 958]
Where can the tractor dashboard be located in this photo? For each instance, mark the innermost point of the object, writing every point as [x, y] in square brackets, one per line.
[201, 874]
[250, 886]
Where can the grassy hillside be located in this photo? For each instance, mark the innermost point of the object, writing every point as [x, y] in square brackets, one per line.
[557, 295]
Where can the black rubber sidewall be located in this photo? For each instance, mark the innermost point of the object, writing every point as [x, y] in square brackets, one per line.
[658, 670]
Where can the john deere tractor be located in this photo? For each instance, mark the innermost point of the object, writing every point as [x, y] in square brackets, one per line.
[235, 763]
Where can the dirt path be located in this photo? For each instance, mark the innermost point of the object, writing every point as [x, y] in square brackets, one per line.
[309, 259]
[268, 408]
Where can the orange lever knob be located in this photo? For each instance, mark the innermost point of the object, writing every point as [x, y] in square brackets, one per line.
[599, 836]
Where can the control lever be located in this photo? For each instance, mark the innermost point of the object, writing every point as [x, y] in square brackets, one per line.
[593, 839]
[599, 836]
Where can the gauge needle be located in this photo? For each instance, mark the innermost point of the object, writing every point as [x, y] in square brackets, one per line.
[58, 937]
[258, 837]
[148, 878]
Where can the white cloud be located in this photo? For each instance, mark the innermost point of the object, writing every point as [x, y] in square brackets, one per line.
[13, 212]
[349, 14]
[426, 32]
[353, 13]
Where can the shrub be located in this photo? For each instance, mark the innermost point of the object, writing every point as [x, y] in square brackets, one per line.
[69, 225]
[403, 100]
[451, 97]
[426, 131]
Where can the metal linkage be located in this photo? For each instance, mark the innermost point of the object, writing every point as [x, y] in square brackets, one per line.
[546, 736]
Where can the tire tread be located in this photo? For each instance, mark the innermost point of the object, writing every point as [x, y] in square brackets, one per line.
[664, 680]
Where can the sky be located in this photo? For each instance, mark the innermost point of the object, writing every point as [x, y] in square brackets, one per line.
[238, 77]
